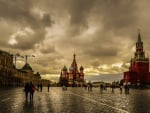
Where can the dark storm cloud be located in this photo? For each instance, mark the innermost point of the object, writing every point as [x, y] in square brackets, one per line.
[117, 18]
[79, 11]
[110, 52]
[116, 15]
[15, 10]
[101, 32]
[47, 49]
[20, 12]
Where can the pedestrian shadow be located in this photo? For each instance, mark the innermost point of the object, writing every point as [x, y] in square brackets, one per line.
[28, 107]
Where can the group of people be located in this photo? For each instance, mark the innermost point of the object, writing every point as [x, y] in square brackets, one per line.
[29, 89]
[89, 87]
[39, 87]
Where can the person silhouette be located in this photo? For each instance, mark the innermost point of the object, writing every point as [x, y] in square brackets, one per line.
[32, 89]
[48, 86]
[26, 90]
[41, 86]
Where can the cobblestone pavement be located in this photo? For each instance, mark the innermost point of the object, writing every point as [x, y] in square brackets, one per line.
[75, 100]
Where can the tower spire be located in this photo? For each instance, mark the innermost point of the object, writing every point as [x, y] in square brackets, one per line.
[74, 56]
[139, 36]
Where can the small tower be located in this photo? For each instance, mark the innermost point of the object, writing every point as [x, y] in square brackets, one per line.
[64, 76]
[81, 75]
[81, 69]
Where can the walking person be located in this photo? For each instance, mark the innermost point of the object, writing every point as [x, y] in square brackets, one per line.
[113, 87]
[101, 88]
[26, 90]
[38, 87]
[32, 89]
[126, 87]
[91, 86]
[48, 86]
[120, 89]
[41, 87]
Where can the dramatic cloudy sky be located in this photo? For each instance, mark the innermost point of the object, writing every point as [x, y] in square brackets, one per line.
[102, 33]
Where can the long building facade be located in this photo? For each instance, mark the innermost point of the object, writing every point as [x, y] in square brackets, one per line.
[11, 76]
[72, 76]
[138, 73]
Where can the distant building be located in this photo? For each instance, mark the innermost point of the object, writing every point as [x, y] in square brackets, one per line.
[138, 73]
[11, 76]
[73, 76]
[6, 68]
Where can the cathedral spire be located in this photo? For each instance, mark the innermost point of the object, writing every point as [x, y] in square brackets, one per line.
[74, 63]
[74, 56]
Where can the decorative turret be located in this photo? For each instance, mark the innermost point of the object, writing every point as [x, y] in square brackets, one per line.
[81, 68]
[64, 68]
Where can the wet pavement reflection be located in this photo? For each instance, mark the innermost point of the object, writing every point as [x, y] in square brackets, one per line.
[75, 100]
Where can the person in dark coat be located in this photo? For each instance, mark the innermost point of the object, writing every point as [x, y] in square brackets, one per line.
[26, 90]
[32, 89]
[41, 87]
[48, 85]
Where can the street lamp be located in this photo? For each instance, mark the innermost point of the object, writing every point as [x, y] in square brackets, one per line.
[26, 58]
[15, 57]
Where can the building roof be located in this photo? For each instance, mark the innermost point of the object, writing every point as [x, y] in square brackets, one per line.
[27, 67]
[4, 52]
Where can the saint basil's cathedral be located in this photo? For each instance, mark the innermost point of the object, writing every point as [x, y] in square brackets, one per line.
[138, 73]
[73, 76]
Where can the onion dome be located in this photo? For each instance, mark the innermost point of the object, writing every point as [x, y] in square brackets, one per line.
[64, 68]
[81, 68]
[70, 68]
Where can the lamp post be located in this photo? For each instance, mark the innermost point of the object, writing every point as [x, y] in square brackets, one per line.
[15, 58]
[26, 58]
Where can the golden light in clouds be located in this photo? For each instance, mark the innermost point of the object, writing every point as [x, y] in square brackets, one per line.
[52, 77]
[117, 64]
[102, 33]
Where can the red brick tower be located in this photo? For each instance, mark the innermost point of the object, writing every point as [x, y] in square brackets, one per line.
[139, 66]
